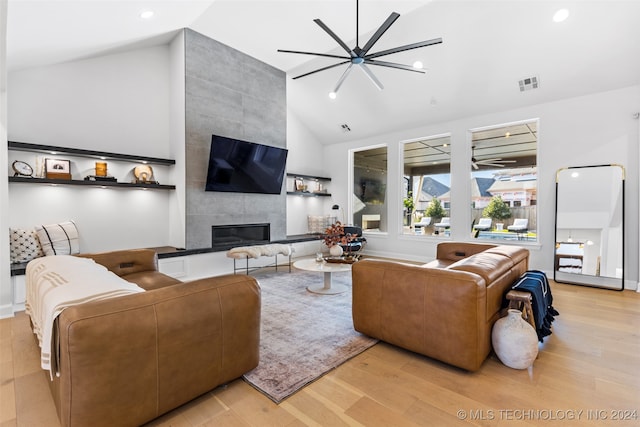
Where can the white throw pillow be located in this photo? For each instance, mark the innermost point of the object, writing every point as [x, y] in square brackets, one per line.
[59, 239]
[24, 245]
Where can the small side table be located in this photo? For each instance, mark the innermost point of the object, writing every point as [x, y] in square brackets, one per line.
[521, 300]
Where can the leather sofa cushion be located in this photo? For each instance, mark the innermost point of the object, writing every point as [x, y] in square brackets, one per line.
[150, 280]
[515, 253]
[126, 262]
[455, 251]
[489, 266]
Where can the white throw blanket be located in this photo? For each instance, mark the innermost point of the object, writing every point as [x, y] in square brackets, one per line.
[54, 283]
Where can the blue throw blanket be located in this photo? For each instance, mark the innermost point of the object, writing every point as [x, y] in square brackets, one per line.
[535, 282]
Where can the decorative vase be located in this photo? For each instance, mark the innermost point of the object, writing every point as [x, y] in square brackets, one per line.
[335, 250]
[515, 341]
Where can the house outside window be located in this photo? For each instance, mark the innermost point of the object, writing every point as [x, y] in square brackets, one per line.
[369, 205]
[427, 178]
[504, 182]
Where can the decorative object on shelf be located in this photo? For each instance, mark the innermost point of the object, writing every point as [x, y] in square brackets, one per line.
[21, 168]
[100, 178]
[101, 169]
[101, 174]
[57, 169]
[515, 341]
[144, 174]
[300, 185]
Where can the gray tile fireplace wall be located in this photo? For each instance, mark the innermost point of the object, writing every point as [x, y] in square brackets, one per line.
[231, 94]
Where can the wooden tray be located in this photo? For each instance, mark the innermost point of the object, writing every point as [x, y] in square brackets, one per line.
[341, 260]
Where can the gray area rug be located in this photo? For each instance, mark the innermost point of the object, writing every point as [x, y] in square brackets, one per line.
[303, 335]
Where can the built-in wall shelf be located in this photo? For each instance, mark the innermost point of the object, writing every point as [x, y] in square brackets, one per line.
[90, 183]
[307, 185]
[90, 154]
[100, 155]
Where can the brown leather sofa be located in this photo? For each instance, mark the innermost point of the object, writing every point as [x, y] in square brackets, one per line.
[126, 360]
[444, 309]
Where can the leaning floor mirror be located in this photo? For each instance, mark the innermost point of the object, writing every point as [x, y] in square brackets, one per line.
[589, 222]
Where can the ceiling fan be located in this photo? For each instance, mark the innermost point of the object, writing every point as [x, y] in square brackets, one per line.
[496, 162]
[360, 57]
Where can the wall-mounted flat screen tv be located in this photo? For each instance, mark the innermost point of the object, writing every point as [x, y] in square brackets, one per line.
[245, 167]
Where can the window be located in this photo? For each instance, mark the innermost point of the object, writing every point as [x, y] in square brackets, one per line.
[370, 189]
[427, 177]
[504, 181]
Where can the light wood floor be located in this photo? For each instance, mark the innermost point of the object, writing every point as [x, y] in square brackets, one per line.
[587, 374]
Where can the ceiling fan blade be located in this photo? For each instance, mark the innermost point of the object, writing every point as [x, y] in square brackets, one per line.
[405, 47]
[371, 76]
[322, 69]
[376, 36]
[342, 78]
[496, 160]
[336, 38]
[394, 65]
[314, 53]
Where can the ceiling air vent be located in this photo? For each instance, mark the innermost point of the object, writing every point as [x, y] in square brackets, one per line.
[528, 84]
[345, 127]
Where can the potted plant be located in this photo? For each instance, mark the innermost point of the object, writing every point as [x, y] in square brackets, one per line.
[334, 236]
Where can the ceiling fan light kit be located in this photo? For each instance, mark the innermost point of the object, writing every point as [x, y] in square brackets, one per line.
[361, 58]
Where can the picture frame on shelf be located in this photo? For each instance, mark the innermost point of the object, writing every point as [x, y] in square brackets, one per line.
[57, 169]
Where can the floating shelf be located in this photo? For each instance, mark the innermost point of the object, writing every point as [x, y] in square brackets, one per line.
[307, 194]
[311, 177]
[28, 180]
[101, 155]
[303, 177]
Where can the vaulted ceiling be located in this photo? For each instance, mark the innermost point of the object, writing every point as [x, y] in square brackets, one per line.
[488, 47]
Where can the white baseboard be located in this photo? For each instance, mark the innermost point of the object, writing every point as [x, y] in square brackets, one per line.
[6, 311]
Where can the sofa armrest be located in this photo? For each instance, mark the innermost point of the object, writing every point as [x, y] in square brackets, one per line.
[127, 360]
[127, 261]
[455, 251]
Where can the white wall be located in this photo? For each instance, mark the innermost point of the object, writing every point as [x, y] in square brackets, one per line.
[177, 141]
[589, 130]
[115, 103]
[5, 286]
[305, 157]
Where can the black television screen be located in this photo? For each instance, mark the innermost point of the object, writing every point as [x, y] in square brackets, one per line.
[245, 167]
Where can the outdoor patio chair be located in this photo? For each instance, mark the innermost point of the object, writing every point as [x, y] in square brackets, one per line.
[424, 222]
[444, 223]
[483, 225]
[520, 225]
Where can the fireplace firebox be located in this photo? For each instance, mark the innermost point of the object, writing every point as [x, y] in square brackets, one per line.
[229, 236]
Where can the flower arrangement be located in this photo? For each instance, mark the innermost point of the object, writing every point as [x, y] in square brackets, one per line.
[334, 234]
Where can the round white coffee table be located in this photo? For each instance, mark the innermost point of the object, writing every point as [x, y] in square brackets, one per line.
[310, 264]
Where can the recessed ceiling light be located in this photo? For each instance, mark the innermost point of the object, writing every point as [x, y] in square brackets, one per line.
[147, 14]
[332, 95]
[418, 65]
[560, 15]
